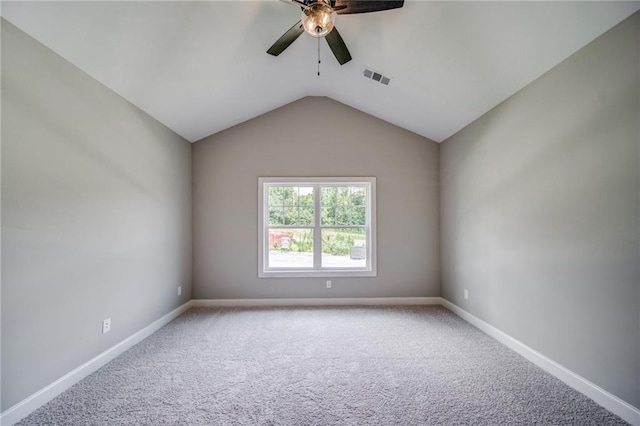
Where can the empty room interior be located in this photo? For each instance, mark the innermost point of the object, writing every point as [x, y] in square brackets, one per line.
[219, 212]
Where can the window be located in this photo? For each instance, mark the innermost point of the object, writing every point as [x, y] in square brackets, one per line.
[317, 227]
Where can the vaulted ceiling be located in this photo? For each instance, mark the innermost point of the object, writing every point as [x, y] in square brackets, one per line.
[200, 67]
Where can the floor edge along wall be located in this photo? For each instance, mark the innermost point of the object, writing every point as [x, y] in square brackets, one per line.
[609, 401]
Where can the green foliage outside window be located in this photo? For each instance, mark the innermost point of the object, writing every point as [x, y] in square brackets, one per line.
[302, 242]
[338, 242]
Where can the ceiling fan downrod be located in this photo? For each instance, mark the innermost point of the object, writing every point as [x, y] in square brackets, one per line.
[318, 57]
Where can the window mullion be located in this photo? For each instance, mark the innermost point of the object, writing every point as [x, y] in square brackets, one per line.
[317, 234]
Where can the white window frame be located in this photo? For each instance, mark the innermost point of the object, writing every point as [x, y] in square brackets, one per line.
[316, 271]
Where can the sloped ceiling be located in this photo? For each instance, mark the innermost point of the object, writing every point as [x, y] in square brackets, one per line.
[200, 67]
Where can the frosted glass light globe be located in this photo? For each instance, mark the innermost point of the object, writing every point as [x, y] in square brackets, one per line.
[318, 19]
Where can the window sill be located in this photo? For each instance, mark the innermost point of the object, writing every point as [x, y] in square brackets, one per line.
[317, 274]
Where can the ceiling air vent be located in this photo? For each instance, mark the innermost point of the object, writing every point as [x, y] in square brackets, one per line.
[376, 76]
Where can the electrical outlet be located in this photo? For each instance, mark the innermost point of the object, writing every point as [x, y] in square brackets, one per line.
[466, 293]
[328, 283]
[106, 325]
[180, 291]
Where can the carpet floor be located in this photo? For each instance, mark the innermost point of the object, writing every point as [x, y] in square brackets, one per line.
[320, 366]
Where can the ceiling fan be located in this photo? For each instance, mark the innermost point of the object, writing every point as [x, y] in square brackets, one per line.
[318, 17]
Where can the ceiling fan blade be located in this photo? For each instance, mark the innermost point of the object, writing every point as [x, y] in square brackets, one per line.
[366, 6]
[287, 38]
[296, 3]
[339, 49]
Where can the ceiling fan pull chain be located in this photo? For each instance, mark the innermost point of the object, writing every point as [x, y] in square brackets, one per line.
[318, 55]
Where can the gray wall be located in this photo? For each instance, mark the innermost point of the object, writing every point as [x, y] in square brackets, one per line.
[96, 218]
[540, 207]
[315, 137]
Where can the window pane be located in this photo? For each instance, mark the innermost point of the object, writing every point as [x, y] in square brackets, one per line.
[275, 196]
[276, 216]
[328, 196]
[342, 216]
[306, 216]
[344, 248]
[305, 196]
[343, 196]
[290, 248]
[290, 215]
[290, 196]
[357, 195]
[328, 215]
[358, 216]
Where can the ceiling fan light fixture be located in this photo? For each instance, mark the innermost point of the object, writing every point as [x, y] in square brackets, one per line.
[318, 19]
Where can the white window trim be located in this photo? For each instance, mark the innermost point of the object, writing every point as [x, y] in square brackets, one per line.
[369, 271]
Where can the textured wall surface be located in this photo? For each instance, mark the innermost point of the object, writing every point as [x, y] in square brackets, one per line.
[96, 217]
[540, 214]
[315, 137]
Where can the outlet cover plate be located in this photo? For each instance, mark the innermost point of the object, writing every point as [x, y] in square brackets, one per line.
[106, 325]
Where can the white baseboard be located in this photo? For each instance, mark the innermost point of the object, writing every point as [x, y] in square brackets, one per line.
[338, 301]
[609, 401]
[46, 394]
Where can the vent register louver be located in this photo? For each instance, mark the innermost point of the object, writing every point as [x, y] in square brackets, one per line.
[376, 76]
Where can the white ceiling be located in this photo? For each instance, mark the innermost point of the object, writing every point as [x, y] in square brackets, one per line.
[201, 67]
